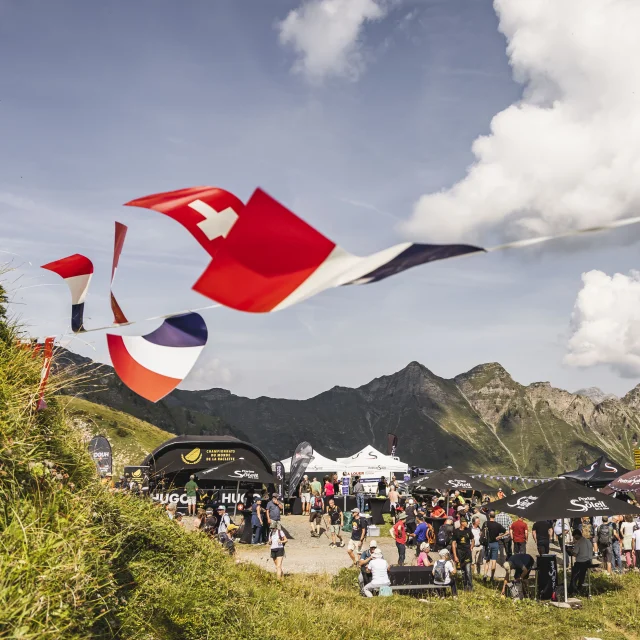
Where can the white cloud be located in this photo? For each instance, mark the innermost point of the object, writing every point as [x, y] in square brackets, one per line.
[207, 374]
[326, 36]
[606, 323]
[568, 154]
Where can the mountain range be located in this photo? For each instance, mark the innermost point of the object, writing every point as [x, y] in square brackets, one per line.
[481, 420]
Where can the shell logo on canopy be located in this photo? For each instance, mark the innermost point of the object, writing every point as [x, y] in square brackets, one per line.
[193, 457]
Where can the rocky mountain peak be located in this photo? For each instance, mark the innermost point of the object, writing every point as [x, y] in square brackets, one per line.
[490, 374]
[595, 394]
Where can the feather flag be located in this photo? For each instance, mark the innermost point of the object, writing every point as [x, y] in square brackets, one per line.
[207, 213]
[76, 270]
[155, 364]
[46, 367]
[121, 234]
[272, 259]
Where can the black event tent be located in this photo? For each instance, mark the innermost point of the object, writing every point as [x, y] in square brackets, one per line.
[598, 474]
[448, 479]
[562, 498]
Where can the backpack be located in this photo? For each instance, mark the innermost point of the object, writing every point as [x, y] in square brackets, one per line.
[431, 536]
[604, 535]
[439, 573]
[483, 535]
[442, 536]
[348, 519]
[317, 503]
[385, 591]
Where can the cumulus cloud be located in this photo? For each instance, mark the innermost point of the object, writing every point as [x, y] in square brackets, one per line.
[326, 36]
[207, 374]
[568, 154]
[606, 323]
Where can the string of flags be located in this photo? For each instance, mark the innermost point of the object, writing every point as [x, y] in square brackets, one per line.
[262, 258]
[511, 478]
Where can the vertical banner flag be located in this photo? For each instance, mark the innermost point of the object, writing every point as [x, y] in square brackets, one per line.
[636, 458]
[46, 367]
[100, 451]
[392, 444]
[302, 456]
[279, 467]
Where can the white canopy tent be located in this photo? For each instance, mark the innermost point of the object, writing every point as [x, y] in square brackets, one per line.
[319, 464]
[369, 462]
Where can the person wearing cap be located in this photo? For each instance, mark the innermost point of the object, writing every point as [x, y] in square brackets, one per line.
[277, 540]
[210, 522]
[424, 560]
[274, 510]
[399, 533]
[379, 570]
[462, 548]
[191, 489]
[305, 495]
[521, 565]
[500, 494]
[223, 520]
[444, 570]
[365, 558]
[358, 533]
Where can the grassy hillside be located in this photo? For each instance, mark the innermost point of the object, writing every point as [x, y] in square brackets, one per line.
[79, 562]
[131, 439]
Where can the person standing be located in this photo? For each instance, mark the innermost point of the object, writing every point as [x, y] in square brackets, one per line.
[191, 489]
[358, 533]
[542, 532]
[305, 495]
[462, 548]
[399, 533]
[616, 548]
[256, 522]
[604, 539]
[277, 540]
[636, 546]
[410, 522]
[507, 545]
[394, 500]
[493, 532]
[520, 535]
[336, 484]
[626, 532]
[477, 549]
[316, 486]
[274, 511]
[336, 522]
[315, 517]
[382, 487]
[329, 490]
[358, 489]
[583, 552]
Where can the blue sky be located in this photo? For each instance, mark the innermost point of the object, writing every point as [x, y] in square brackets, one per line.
[104, 102]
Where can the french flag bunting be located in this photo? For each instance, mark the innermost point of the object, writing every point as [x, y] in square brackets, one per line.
[120, 235]
[207, 213]
[154, 365]
[271, 259]
[76, 270]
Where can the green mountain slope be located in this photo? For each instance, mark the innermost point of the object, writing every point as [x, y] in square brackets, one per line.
[131, 439]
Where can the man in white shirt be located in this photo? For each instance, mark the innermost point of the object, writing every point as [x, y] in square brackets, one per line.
[477, 551]
[379, 570]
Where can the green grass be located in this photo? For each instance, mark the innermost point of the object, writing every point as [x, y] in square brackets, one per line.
[131, 439]
[79, 562]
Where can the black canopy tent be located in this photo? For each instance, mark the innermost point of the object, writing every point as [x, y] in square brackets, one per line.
[562, 498]
[175, 460]
[597, 474]
[448, 479]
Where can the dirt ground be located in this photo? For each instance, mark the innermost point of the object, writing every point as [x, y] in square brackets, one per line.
[305, 554]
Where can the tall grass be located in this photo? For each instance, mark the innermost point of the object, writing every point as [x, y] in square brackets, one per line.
[79, 562]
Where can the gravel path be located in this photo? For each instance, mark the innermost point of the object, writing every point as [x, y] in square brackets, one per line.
[305, 554]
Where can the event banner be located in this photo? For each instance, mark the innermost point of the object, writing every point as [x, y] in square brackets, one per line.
[636, 458]
[279, 474]
[302, 456]
[392, 444]
[136, 473]
[100, 451]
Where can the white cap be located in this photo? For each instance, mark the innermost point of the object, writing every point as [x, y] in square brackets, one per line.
[377, 554]
[372, 543]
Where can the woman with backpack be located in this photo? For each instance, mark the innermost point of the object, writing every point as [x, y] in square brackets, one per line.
[315, 516]
[444, 570]
[277, 540]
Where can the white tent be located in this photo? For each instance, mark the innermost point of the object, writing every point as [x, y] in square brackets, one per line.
[319, 464]
[369, 462]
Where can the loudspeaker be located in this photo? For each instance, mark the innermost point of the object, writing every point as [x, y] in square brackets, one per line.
[547, 576]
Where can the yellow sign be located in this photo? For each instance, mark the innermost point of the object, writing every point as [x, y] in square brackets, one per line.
[137, 473]
[193, 457]
[220, 455]
[636, 457]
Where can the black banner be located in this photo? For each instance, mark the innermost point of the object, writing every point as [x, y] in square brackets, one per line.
[392, 444]
[279, 474]
[136, 473]
[302, 456]
[100, 451]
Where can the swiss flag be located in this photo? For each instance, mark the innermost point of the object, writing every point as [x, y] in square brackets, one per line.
[207, 213]
[269, 253]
